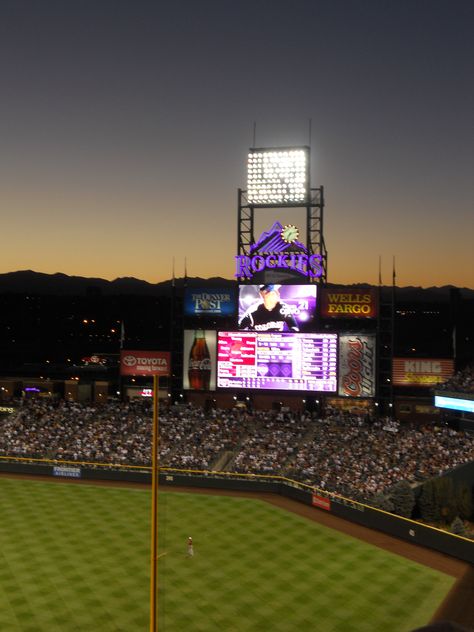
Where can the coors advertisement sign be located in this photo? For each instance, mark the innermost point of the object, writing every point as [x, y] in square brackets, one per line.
[357, 365]
[199, 360]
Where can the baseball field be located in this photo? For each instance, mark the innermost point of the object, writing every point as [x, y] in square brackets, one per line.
[76, 557]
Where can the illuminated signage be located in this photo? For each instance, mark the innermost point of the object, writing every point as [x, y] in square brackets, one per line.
[421, 371]
[199, 360]
[274, 307]
[95, 360]
[279, 361]
[454, 403]
[279, 248]
[144, 362]
[343, 303]
[278, 176]
[204, 301]
[357, 365]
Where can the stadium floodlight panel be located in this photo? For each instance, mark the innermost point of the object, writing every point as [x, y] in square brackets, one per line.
[278, 176]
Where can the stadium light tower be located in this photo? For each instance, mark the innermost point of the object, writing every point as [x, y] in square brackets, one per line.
[279, 177]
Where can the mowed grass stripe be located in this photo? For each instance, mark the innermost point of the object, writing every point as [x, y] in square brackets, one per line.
[76, 557]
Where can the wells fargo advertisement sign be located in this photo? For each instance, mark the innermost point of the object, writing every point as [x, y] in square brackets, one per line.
[357, 365]
[421, 371]
[353, 303]
[144, 363]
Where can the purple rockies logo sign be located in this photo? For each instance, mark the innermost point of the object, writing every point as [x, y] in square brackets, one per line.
[279, 248]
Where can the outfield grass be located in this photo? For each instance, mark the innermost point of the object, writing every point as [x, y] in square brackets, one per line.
[76, 557]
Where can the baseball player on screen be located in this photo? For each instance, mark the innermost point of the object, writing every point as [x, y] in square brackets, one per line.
[269, 313]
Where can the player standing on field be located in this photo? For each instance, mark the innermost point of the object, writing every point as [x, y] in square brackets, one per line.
[190, 547]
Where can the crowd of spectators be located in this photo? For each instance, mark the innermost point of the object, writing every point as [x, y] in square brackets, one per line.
[354, 458]
[51, 429]
[462, 381]
[118, 433]
[270, 443]
[352, 455]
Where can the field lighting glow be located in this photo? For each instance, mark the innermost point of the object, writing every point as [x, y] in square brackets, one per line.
[278, 176]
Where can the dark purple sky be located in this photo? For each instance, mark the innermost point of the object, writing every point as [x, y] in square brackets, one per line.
[125, 126]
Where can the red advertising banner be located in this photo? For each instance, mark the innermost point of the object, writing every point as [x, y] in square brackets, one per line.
[421, 371]
[344, 303]
[144, 362]
[357, 365]
[321, 502]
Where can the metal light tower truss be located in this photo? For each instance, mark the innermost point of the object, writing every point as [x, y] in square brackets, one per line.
[245, 224]
[314, 229]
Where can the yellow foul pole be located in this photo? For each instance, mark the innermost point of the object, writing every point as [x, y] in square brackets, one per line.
[154, 511]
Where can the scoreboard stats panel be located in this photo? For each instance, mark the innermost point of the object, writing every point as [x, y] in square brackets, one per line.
[278, 361]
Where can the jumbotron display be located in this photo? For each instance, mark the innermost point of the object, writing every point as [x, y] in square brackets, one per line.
[273, 307]
[277, 361]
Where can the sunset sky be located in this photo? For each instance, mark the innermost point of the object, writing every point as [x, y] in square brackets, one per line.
[125, 126]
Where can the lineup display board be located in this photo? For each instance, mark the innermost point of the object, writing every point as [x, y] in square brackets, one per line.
[277, 361]
[274, 307]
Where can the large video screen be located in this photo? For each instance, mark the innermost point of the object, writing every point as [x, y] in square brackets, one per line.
[277, 361]
[274, 307]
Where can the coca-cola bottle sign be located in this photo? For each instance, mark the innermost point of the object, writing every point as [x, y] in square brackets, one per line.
[199, 366]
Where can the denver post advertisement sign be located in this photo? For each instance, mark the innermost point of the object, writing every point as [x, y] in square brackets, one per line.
[209, 302]
[352, 303]
[357, 365]
[144, 363]
[426, 372]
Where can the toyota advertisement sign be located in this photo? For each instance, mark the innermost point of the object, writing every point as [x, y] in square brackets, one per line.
[145, 363]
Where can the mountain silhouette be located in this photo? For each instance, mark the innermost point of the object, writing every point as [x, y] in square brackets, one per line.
[38, 283]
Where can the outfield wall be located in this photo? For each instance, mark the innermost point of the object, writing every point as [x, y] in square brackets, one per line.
[409, 530]
[462, 474]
